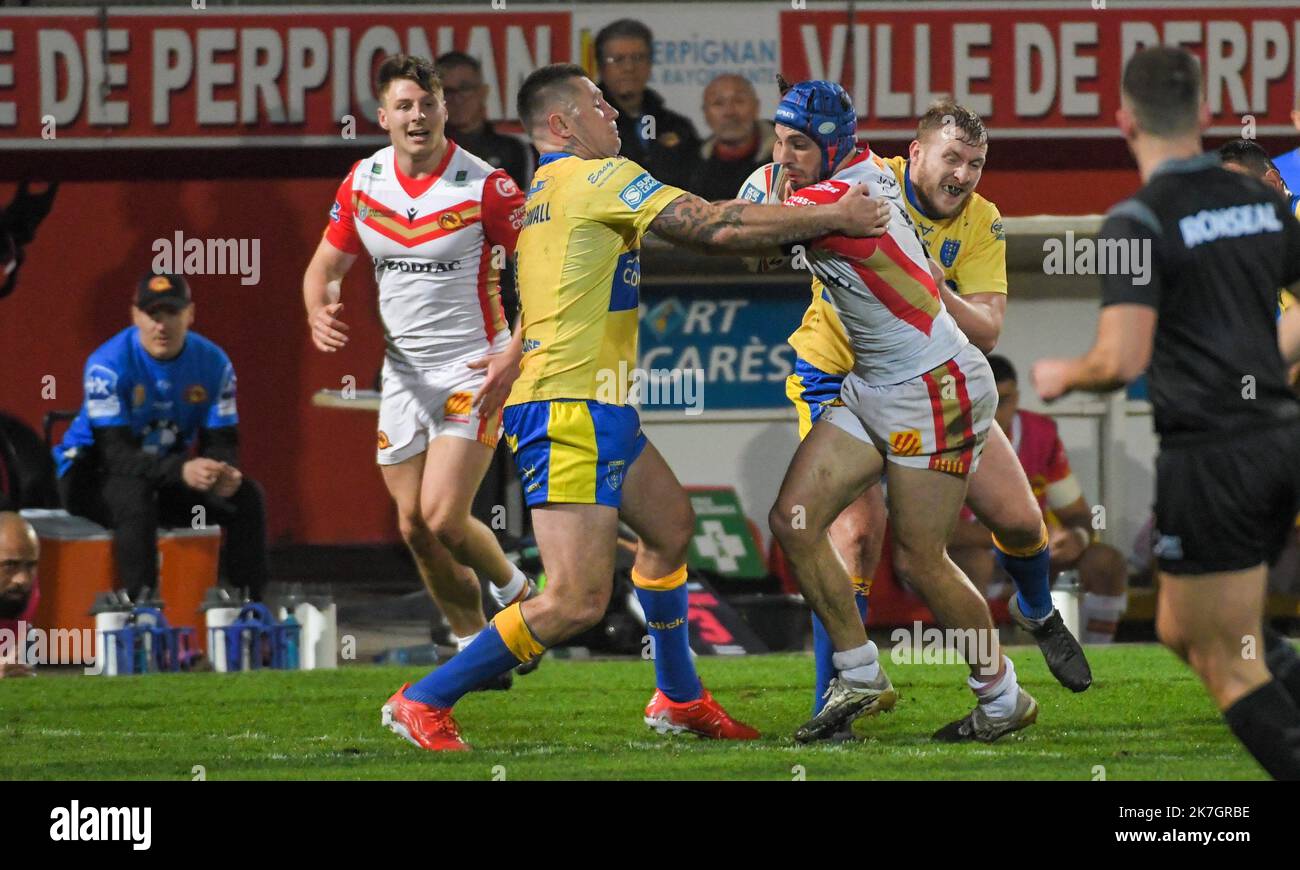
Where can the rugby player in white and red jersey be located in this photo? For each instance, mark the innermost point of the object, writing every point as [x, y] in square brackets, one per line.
[439, 224]
[921, 397]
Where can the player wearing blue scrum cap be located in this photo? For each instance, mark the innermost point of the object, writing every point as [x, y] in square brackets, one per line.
[919, 396]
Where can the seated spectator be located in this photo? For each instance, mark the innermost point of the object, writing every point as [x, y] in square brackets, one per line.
[1103, 572]
[19, 592]
[155, 393]
[661, 141]
[740, 142]
[467, 124]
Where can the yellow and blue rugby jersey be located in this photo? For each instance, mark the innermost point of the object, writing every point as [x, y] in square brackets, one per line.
[579, 273]
[971, 246]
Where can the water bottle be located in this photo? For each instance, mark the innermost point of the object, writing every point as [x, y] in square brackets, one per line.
[291, 631]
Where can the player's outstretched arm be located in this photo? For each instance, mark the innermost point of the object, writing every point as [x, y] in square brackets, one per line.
[321, 286]
[746, 228]
[1121, 352]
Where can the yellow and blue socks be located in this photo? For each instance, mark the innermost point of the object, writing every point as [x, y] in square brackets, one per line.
[1030, 570]
[664, 601]
[824, 650]
[506, 643]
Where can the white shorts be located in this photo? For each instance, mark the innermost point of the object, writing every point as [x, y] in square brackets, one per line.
[937, 420]
[418, 405]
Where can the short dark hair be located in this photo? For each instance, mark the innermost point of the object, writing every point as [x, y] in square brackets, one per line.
[948, 113]
[622, 28]
[453, 59]
[540, 89]
[1003, 370]
[1247, 154]
[1163, 85]
[406, 66]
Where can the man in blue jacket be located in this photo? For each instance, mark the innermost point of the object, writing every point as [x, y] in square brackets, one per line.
[156, 438]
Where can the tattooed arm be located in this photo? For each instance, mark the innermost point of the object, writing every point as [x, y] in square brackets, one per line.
[738, 227]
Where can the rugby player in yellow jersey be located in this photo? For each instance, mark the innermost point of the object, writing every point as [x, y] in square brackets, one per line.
[963, 231]
[582, 458]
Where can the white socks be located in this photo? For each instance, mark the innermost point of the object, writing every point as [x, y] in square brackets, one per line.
[1101, 614]
[860, 664]
[505, 595]
[998, 698]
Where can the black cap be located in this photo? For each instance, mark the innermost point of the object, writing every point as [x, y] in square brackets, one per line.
[167, 290]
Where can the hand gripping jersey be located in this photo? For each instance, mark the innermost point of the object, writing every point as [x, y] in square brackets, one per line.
[164, 402]
[880, 288]
[438, 244]
[579, 268]
[971, 247]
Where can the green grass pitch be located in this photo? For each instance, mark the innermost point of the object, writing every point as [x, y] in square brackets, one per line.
[1145, 717]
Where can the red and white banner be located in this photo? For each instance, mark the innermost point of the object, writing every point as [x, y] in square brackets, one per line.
[1045, 69]
[216, 76]
[230, 76]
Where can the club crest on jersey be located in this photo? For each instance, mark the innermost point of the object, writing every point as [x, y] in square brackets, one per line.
[450, 221]
[363, 211]
[614, 477]
[457, 407]
[905, 443]
[948, 251]
[196, 394]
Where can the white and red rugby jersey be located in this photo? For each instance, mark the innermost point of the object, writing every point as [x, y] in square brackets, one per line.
[881, 288]
[434, 242]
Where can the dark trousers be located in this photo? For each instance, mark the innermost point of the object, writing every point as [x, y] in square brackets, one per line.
[134, 509]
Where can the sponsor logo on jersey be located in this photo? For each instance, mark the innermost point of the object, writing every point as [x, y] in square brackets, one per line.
[417, 266]
[599, 176]
[376, 169]
[948, 251]
[410, 215]
[639, 190]
[905, 443]
[383, 440]
[512, 441]
[998, 232]
[457, 407]
[101, 392]
[335, 210]
[195, 394]
[450, 221]
[1210, 225]
[538, 184]
[531, 344]
[460, 176]
[506, 186]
